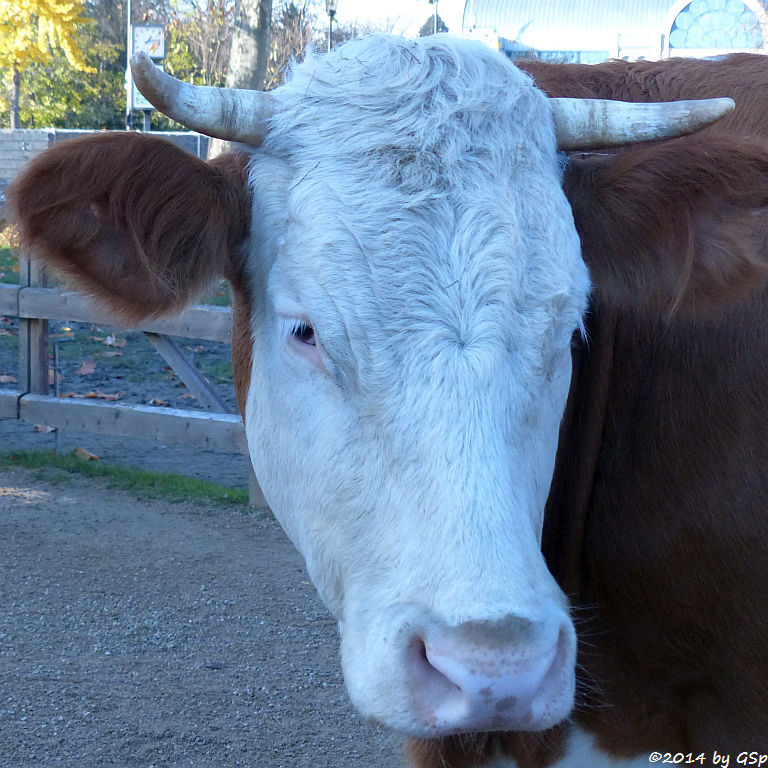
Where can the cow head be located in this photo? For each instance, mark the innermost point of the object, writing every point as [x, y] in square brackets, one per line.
[407, 278]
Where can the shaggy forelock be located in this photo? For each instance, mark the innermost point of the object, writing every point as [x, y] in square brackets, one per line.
[417, 114]
[429, 166]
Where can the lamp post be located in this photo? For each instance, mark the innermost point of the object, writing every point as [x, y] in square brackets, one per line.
[128, 83]
[330, 9]
[434, 28]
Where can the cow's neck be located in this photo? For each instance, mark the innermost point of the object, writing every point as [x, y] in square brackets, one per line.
[578, 449]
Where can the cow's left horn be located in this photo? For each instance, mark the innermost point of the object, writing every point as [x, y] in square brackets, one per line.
[225, 113]
[599, 123]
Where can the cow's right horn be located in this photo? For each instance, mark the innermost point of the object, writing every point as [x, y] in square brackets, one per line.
[232, 114]
[600, 123]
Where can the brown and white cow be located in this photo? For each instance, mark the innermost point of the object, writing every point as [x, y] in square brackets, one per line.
[443, 330]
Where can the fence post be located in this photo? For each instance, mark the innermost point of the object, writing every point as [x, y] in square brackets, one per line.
[34, 376]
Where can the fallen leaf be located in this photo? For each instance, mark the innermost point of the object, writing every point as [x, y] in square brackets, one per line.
[187, 396]
[157, 401]
[71, 394]
[86, 368]
[112, 353]
[5, 332]
[5, 320]
[96, 338]
[44, 428]
[6, 379]
[97, 395]
[81, 453]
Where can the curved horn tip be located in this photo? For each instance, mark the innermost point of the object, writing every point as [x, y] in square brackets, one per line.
[140, 62]
[724, 105]
[584, 124]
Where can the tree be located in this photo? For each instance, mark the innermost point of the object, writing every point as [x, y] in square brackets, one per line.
[199, 41]
[428, 27]
[291, 34]
[250, 44]
[249, 53]
[294, 27]
[30, 32]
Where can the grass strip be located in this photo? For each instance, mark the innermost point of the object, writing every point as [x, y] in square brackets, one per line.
[156, 485]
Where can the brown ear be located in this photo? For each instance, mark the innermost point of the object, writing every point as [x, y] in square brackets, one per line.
[132, 219]
[676, 227]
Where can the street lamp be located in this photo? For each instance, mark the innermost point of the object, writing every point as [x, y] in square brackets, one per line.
[330, 9]
[434, 2]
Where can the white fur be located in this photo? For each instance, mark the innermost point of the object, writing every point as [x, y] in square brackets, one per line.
[581, 752]
[408, 203]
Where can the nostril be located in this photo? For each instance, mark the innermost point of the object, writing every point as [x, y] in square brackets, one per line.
[431, 689]
[457, 685]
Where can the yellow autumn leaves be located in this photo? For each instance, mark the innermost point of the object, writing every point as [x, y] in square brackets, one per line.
[30, 29]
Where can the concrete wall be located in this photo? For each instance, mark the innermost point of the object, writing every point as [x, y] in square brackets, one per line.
[20, 146]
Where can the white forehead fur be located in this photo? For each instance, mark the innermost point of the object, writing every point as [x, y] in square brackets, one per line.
[432, 163]
[408, 198]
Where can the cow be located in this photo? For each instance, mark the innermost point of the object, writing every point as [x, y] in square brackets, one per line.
[509, 403]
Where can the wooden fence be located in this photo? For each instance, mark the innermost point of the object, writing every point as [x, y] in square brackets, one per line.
[35, 304]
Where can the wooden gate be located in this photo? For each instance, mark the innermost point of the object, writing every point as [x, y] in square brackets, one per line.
[35, 304]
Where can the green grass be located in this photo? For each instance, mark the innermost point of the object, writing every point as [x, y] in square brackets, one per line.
[220, 372]
[156, 485]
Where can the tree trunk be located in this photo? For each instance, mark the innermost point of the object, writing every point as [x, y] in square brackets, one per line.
[15, 123]
[250, 53]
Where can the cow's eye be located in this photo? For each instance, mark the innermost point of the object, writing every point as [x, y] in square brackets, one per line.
[303, 332]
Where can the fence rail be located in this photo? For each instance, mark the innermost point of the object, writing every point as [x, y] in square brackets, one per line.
[28, 302]
[34, 305]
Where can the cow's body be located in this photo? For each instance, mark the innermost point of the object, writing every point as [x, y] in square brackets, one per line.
[406, 292]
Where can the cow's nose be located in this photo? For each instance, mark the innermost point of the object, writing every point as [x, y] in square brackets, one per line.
[465, 679]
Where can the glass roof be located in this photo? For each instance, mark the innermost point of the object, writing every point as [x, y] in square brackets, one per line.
[716, 24]
[615, 25]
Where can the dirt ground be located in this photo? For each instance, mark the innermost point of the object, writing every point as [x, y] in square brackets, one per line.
[145, 634]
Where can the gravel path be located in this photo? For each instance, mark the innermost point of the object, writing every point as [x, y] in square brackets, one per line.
[141, 633]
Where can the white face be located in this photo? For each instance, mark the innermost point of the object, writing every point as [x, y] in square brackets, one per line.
[417, 283]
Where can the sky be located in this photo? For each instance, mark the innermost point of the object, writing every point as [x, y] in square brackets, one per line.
[405, 16]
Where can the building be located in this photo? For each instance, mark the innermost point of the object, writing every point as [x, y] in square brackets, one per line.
[590, 31]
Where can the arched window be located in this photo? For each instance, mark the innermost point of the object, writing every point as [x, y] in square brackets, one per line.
[716, 24]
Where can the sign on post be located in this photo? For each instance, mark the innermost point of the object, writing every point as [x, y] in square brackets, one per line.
[137, 99]
[149, 38]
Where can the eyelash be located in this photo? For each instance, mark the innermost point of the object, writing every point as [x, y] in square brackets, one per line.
[303, 332]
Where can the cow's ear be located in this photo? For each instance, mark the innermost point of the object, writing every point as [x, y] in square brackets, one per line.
[675, 228]
[135, 221]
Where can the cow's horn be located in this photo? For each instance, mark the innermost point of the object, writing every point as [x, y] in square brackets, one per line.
[598, 123]
[225, 113]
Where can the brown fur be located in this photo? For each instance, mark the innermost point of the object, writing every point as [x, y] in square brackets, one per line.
[666, 567]
[742, 76]
[235, 166]
[529, 750]
[134, 220]
[687, 213]
[141, 225]
[657, 521]
[679, 226]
